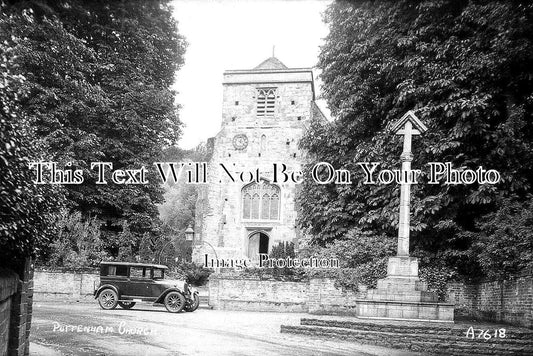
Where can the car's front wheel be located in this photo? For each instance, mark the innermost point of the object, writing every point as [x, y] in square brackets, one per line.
[108, 299]
[126, 305]
[174, 302]
[193, 304]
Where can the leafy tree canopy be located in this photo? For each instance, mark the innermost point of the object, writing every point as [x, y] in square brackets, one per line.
[26, 210]
[98, 77]
[465, 68]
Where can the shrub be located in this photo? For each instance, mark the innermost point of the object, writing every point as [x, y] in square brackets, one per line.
[78, 243]
[193, 273]
[362, 256]
[437, 278]
[281, 251]
[505, 247]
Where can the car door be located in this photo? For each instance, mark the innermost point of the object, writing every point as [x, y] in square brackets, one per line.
[139, 282]
[158, 286]
[115, 275]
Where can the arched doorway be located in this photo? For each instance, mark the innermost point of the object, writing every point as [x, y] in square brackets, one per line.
[257, 244]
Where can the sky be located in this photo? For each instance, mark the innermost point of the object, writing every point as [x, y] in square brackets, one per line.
[238, 34]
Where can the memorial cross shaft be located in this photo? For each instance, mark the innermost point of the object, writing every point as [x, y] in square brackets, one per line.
[407, 126]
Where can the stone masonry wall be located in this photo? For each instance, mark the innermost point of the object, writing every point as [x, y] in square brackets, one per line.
[325, 298]
[510, 301]
[65, 284]
[487, 301]
[234, 293]
[316, 296]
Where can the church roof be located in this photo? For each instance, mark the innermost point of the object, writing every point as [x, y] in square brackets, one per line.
[271, 63]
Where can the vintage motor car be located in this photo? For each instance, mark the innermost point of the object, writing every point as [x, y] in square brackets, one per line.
[124, 284]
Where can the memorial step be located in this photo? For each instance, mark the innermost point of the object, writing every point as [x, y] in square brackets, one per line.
[427, 338]
[457, 329]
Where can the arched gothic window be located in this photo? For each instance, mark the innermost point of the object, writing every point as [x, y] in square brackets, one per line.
[260, 201]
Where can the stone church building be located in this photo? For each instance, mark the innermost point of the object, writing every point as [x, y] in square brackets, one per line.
[264, 114]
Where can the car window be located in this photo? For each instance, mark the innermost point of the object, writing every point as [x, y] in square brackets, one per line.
[117, 271]
[122, 271]
[139, 272]
[158, 273]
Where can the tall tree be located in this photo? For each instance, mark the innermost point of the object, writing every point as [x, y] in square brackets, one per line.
[26, 210]
[465, 68]
[99, 76]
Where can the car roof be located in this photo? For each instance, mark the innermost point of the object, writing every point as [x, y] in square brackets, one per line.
[133, 264]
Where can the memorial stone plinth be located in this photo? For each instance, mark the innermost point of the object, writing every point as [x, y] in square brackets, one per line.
[402, 295]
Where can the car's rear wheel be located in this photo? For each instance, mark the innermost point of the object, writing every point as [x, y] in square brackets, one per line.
[193, 304]
[108, 299]
[126, 305]
[174, 302]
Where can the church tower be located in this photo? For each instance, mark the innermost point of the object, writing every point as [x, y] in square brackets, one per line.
[264, 113]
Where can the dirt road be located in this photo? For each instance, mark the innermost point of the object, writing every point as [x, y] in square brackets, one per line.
[61, 328]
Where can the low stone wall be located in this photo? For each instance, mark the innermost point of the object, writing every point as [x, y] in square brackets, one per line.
[509, 301]
[235, 293]
[325, 298]
[65, 284]
[316, 296]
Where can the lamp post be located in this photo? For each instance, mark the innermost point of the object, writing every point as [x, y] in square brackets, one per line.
[189, 236]
[189, 233]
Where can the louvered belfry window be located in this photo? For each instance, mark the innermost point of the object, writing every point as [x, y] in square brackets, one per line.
[266, 100]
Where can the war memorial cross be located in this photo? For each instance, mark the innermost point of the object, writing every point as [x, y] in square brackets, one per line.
[402, 295]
